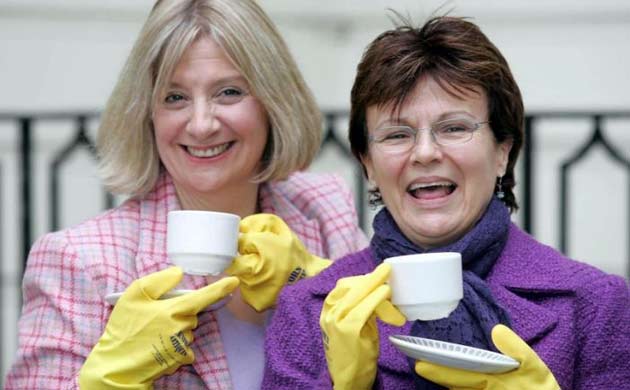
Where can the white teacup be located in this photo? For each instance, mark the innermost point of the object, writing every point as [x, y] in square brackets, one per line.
[202, 242]
[426, 286]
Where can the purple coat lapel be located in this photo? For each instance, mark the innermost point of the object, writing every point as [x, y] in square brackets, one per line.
[516, 282]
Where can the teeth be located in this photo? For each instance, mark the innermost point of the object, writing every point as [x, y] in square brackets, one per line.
[418, 186]
[208, 152]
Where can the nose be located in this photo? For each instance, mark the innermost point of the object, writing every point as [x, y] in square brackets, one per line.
[425, 150]
[203, 121]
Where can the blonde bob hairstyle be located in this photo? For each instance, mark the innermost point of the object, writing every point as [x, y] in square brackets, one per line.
[129, 161]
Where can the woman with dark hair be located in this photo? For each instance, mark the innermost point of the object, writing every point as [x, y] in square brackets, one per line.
[437, 124]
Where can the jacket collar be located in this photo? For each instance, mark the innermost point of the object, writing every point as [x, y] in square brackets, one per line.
[278, 198]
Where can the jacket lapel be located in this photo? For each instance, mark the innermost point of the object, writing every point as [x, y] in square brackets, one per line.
[154, 207]
[210, 361]
[522, 310]
[274, 200]
[514, 287]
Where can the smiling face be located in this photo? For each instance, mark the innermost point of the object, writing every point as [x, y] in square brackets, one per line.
[436, 193]
[210, 131]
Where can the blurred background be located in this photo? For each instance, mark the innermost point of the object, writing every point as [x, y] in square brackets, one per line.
[59, 60]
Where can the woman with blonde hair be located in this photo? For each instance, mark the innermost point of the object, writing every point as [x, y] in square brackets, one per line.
[210, 113]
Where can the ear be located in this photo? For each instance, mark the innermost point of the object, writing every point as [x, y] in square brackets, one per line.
[503, 155]
[366, 160]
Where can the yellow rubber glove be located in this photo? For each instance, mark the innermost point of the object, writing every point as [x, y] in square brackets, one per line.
[531, 374]
[349, 331]
[145, 337]
[270, 257]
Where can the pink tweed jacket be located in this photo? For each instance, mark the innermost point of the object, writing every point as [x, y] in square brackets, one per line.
[69, 273]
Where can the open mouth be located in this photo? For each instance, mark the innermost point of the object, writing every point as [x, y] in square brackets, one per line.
[208, 152]
[427, 191]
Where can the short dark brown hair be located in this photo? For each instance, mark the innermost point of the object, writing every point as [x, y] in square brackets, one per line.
[459, 57]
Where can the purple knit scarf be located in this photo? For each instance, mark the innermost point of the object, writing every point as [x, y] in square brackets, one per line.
[477, 313]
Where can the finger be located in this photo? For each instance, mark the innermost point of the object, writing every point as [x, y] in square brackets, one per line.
[358, 287]
[509, 343]
[196, 301]
[364, 310]
[451, 378]
[390, 314]
[157, 283]
[244, 265]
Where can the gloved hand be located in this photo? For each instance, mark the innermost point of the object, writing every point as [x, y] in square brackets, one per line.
[349, 331]
[145, 337]
[531, 374]
[270, 256]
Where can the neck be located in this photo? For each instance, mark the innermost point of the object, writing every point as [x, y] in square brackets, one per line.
[241, 200]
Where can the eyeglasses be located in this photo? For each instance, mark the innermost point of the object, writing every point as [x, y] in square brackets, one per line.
[401, 139]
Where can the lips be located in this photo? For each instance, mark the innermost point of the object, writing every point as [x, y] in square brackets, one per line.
[208, 152]
[433, 190]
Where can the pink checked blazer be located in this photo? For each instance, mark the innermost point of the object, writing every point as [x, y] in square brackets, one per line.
[69, 273]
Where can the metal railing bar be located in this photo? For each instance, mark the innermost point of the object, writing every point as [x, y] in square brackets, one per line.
[2, 271]
[26, 191]
[330, 137]
[81, 140]
[49, 116]
[575, 114]
[597, 137]
[528, 169]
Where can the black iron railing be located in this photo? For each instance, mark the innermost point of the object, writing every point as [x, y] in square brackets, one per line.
[334, 137]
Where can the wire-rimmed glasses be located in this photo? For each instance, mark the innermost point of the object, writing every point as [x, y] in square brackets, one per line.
[401, 139]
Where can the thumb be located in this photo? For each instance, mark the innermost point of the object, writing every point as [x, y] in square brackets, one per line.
[388, 313]
[509, 343]
[196, 301]
[157, 283]
[452, 378]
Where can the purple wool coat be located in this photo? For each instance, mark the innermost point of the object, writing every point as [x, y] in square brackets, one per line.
[576, 317]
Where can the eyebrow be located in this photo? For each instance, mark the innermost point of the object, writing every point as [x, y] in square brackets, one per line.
[223, 80]
[403, 121]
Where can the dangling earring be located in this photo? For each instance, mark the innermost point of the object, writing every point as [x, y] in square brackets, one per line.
[500, 193]
[374, 196]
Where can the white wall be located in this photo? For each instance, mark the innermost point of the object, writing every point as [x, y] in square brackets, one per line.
[66, 54]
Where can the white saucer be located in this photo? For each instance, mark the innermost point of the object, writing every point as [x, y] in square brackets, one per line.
[453, 355]
[112, 298]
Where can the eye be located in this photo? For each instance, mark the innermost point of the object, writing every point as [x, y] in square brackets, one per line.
[230, 95]
[454, 127]
[394, 134]
[397, 135]
[172, 98]
[231, 92]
